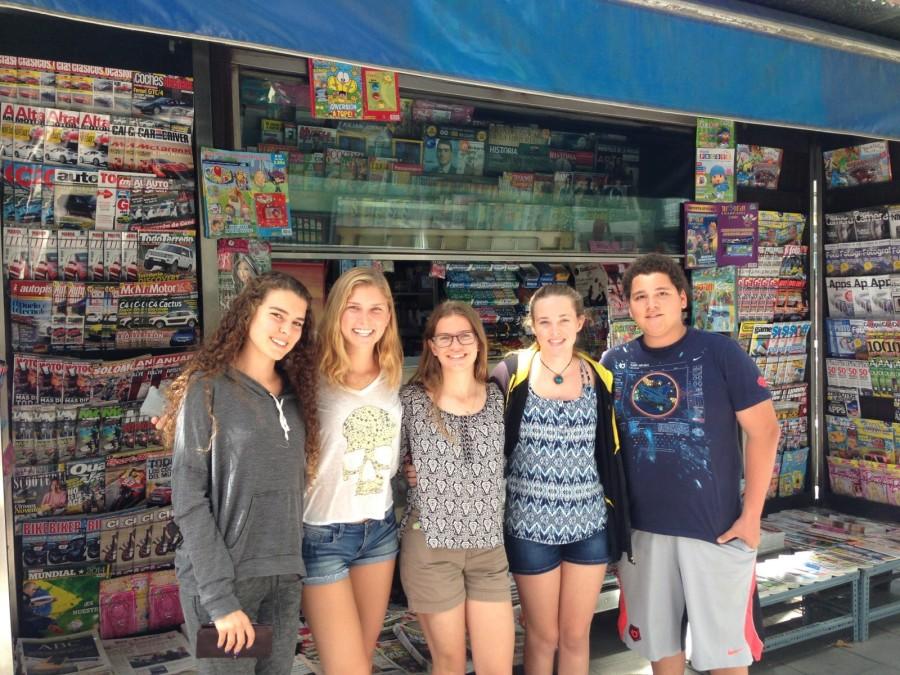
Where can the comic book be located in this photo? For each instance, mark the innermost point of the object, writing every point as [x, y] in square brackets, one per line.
[60, 600]
[738, 234]
[336, 90]
[714, 175]
[701, 235]
[163, 98]
[622, 331]
[713, 299]
[792, 478]
[858, 165]
[381, 95]
[713, 132]
[758, 166]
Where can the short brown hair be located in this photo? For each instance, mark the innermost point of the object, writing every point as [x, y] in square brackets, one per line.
[652, 263]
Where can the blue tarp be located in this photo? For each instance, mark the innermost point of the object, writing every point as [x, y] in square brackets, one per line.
[586, 48]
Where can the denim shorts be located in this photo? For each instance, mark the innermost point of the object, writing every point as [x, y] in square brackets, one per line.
[530, 557]
[329, 551]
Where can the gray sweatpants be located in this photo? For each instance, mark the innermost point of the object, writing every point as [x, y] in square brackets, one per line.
[273, 600]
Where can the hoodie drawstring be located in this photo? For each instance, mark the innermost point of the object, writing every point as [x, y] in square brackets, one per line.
[281, 418]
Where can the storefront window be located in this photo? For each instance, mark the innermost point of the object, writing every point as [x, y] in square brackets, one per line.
[455, 177]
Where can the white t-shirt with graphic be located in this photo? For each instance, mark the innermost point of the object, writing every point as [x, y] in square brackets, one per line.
[360, 438]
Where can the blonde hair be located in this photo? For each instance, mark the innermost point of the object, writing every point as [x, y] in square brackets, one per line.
[334, 362]
[554, 291]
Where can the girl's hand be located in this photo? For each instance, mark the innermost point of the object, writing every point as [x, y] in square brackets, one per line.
[235, 631]
[159, 422]
[409, 471]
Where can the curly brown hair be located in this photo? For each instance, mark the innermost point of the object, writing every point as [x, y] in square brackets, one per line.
[220, 350]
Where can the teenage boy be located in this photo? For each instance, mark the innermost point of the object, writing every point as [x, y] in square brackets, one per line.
[681, 397]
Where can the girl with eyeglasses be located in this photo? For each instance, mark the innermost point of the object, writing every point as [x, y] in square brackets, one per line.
[349, 531]
[567, 509]
[453, 564]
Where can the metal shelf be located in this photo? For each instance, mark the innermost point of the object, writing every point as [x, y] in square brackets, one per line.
[867, 613]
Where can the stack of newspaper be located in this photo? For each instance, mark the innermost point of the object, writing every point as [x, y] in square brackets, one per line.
[84, 653]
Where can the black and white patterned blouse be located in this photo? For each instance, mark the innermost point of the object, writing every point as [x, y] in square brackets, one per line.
[460, 490]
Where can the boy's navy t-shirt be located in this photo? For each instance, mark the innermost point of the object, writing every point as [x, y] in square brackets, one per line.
[675, 408]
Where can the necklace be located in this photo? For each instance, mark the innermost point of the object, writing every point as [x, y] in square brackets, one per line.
[558, 377]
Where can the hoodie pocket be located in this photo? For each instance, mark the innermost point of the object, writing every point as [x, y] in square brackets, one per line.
[272, 527]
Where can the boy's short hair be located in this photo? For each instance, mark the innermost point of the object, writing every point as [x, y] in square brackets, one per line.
[655, 262]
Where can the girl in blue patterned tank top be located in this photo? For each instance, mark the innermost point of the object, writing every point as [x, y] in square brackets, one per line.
[559, 437]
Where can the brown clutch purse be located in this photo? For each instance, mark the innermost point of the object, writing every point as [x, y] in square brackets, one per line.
[208, 638]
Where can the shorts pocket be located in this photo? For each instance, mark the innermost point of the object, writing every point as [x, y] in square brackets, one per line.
[319, 534]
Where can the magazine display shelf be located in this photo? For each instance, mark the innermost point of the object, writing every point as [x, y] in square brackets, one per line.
[849, 619]
[867, 613]
[456, 240]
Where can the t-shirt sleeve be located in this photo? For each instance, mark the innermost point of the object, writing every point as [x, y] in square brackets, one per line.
[746, 385]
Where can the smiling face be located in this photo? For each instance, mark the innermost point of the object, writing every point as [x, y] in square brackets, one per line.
[455, 356]
[276, 326]
[556, 324]
[365, 318]
[656, 305]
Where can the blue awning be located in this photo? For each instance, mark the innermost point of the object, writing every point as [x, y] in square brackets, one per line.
[606, 51]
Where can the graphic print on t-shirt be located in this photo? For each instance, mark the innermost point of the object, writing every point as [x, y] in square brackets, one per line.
[369, 432]
[665, 417]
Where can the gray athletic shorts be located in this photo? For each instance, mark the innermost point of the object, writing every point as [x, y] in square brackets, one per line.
[683, 591]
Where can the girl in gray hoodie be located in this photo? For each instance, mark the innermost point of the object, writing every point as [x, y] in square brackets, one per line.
[241, 418]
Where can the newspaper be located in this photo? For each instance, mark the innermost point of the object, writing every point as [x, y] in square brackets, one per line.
[77, 653]
[161, 654]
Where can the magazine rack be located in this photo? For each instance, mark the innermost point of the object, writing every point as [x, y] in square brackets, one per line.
[867, 613]
[806, 592]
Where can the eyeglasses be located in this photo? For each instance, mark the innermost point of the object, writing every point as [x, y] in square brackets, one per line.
[444, 340]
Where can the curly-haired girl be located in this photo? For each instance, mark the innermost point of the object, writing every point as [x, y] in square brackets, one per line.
[349, 532]
[241, 417]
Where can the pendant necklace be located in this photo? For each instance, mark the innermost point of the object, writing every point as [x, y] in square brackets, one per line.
[557, 377]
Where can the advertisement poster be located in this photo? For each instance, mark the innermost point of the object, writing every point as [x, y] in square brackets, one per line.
[245, 194]
[738, 234]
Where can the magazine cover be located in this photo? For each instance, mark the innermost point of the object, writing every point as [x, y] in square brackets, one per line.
[8, 78]
[245, 193]
[336, 90]
[30, 315]
[701, 231]
[123, 606]
[714, 175]
[165, 255]
[39, 491]
[381, 95]
[453, 156]
[60, 600]
[758, 166]
[126, 481]
[61, 132]
[7, 128]
[163, 98]
[85, 486]
[151, 654]
[240, 260]
[713, 299]
[164, 606]
[858, 165]
[74, 198]
[615, 294]
[157, 314]
[93, 140]
[713, 132]
[28, 134]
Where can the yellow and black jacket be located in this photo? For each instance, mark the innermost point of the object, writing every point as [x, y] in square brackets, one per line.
[511, 375]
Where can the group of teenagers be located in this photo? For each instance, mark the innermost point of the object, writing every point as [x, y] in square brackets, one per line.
[288, 430]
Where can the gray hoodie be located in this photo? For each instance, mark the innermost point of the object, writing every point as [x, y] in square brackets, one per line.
[237, 487]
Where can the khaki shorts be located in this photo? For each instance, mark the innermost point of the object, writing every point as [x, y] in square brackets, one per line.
[438, 579]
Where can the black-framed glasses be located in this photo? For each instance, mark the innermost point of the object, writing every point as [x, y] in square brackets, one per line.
[444, 340]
